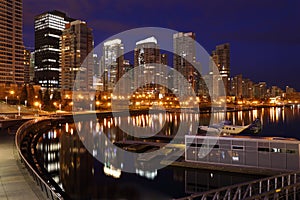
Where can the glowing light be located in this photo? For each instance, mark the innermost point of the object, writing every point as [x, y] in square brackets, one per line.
[111, 171]
[67, 127]
[36, 104]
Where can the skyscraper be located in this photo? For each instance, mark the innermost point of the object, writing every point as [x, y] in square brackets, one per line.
[237, 86]
[31, 68]
[221, 57]
[27, 55]
[48, 28]
[247, 88]
[147, 55]
[11, 46]
[184, 59]
[76, 47]
[146, 52]
[112, 61]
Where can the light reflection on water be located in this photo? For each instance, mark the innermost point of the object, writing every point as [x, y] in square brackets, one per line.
[84, 177]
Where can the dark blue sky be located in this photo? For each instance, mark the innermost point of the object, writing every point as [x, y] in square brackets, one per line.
[264, 34]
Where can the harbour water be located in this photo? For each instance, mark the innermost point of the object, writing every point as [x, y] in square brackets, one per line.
[83, 177]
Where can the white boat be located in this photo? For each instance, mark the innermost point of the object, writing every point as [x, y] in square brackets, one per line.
[226, 128]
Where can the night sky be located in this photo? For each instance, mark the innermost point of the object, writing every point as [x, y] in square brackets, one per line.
[264, 34]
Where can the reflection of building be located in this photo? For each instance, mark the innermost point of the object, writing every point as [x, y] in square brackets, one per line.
[184, 60]
[49, 149]
[112, 61]
[244, 152]
[48, 29]
[221, 57]
[197, 181]
[12, 49]
[76, 164]
[76, 57]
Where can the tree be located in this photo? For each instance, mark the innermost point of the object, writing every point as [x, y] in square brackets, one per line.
[40, 95]
[24, 95]
[46, 99]
[56, 96]
[31, 95]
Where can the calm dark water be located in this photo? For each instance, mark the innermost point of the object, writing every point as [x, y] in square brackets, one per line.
[83, 177]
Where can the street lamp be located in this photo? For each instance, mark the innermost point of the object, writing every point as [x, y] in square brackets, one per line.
[6, 99]
[19, 111]
[38, 105]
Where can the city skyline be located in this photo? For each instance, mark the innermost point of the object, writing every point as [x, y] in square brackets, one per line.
[264, 42]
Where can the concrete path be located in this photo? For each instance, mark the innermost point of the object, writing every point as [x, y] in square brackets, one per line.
[15, 181]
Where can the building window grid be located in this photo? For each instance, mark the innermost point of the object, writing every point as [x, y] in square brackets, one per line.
[239, 152]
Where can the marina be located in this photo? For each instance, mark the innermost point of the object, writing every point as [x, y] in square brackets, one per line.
[58, 137]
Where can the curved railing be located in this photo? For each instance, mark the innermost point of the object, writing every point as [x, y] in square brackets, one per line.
[44, 185]
[283, 186]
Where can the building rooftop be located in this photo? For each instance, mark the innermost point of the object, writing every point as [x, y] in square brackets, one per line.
[147, 40]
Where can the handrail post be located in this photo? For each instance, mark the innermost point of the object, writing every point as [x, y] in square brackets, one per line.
[260, 185]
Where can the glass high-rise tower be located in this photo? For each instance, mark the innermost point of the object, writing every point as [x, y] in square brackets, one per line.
[48, 28]
[76, 57]
[221, 57]
[184, 60]
[112, 61]
[148, 58]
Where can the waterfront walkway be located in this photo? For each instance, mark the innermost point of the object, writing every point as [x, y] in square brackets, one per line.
[15, 181]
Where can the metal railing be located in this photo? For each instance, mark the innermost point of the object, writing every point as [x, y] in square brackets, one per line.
[46, 187]
[276, 187]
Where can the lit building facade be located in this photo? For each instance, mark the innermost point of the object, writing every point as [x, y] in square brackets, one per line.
[27, 56]
[112, 61]
[76, 56]
[184, 60]
[260, 90]
[221, 57]
[148, 58]
[31, 68]
[48, 28]
[247, 88]
[237, 86]
[11, 46]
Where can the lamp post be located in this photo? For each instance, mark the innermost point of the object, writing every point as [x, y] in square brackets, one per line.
[19, 111]
[6, 99]
[37, 105]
